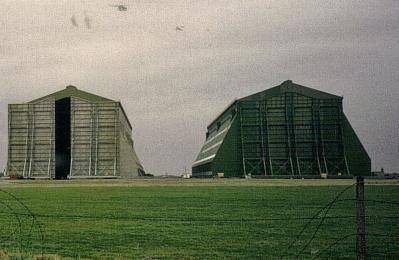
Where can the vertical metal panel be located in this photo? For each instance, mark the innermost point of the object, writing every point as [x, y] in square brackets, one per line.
[81, 137]
[228, 157]
[303, 134]
[95, 138]
[108, 139]
[331, 120]
[18, 139]
[31, 139]
[129, 163]
[358, 161]
[42, 149]
[287, 130]
[296, 134]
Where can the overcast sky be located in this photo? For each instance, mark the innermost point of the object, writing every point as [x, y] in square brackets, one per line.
[173, 83]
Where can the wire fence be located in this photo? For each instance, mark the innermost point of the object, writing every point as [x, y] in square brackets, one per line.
[305, 231]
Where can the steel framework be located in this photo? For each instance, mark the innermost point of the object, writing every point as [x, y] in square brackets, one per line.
[95, 133]
[71, 134]
[292, 134]
[94, 138]
[31, 139]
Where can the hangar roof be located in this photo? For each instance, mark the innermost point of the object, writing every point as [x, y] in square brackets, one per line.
[286, 86]
[213, 142]
[289, 86]
[72, 91]
[75, 92]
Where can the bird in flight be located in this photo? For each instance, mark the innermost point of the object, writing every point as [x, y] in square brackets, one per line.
[87, 21]
[120, 7]
[74, 22]
[179, 28]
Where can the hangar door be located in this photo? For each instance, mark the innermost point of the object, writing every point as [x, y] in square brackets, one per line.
[31, 136]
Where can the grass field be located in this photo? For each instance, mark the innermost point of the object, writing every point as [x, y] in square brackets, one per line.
[195, 219]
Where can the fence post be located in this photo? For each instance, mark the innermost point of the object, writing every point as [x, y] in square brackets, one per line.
[360, 220]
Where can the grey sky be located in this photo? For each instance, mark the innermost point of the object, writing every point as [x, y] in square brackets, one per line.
[173, 83]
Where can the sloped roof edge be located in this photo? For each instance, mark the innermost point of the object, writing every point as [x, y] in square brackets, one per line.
[124, 113]
[72, 91]
[289, 86]
[226, 109]
[286, 86]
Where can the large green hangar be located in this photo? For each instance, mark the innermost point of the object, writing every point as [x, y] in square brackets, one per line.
[285, 130]
[70, 134]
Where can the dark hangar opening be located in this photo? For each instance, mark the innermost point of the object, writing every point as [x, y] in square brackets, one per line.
[62, 138]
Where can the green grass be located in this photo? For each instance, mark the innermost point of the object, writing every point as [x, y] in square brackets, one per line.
[193, 219]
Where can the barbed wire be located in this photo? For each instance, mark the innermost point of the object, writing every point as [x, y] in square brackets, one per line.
[316, 231]
[321, 215]
[333, 244]
[169, 219]
[344, 237]
[34, 220]
[19, 227]
[326, 207]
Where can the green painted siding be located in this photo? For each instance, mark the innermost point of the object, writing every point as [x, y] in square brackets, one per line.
[215, 136]
[286, 130]
[227, 159]
[358, 160]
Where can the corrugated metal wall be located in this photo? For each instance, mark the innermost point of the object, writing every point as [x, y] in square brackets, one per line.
[130, 165]
[287, 130]
[31, 139]
[292, 134]
[94, 138]
[71, 133]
